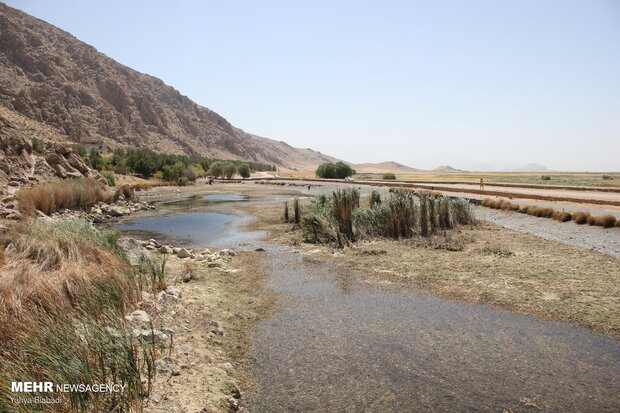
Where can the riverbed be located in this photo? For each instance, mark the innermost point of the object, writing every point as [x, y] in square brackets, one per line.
[341, 343]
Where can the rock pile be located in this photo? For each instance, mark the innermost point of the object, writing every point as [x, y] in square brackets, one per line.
[213, 259]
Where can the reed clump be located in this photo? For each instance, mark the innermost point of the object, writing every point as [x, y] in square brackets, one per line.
[64, 289]
[76, 193]
[402, 214]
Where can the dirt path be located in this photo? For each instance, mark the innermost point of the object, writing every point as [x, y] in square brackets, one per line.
[605, 240]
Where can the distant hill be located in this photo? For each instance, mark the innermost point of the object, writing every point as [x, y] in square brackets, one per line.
[382, 167]
[58, 87]
[530, 167]
[447, 168]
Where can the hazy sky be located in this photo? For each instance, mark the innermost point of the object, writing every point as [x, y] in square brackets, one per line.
[464, 83]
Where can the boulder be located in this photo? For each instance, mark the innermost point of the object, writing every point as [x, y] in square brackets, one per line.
[139, 317]
[183, 253]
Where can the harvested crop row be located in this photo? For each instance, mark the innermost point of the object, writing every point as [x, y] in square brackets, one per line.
[579, 217]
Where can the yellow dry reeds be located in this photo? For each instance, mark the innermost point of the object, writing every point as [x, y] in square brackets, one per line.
[579, 217]
[64, 289]
[52, 196]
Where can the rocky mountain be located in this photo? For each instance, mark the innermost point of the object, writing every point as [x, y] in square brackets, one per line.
[68, 90]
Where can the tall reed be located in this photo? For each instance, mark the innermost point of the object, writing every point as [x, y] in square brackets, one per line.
[296, 214]
[285, 211]
[424, 213]
[344, 201]
[374, 199]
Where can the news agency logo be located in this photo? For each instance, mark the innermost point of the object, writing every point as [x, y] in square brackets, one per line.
[32, 387]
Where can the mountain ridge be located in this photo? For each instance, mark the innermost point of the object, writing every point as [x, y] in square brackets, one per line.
[49, 76]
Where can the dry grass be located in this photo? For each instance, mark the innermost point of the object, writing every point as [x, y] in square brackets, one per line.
[63, 291]
[605, 221]
[52, 196]
[579, 217]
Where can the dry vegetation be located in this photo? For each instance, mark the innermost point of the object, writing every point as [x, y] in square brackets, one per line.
[52, 196]
[580, 217]
[484, 263]
[64, 288]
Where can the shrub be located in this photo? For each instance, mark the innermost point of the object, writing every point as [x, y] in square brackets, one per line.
[79, 150]
[580, 217]
[374, 199]
[182, 181]
[607, 178]
[562, 216]
[109, 177]
[95, 158]
[38, 146]
[389, 175]
[606, 221]
[244, 170]
[545, 178]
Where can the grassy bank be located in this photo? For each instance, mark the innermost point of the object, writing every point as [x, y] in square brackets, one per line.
[64, 289]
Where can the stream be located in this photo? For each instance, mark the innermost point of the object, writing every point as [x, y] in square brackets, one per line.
[339, 343]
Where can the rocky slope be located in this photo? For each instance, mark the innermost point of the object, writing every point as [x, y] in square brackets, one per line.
[57, 81]
[20, 167]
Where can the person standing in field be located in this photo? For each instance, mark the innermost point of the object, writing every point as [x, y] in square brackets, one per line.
[482, 184]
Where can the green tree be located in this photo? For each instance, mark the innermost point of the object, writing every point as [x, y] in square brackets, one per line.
[95, 158]
[230, 170]
[389, 175]
[216, 169]
[326, 171]
[244, 170]
[342, 170]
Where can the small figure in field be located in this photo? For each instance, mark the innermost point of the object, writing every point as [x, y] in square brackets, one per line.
[481, 184]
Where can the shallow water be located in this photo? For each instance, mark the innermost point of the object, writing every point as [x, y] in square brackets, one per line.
[342, 343]
[188, 222]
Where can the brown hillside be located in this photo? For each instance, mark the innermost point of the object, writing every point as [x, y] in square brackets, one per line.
[54, 79]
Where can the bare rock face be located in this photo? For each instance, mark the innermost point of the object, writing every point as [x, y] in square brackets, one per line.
[50, 77]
